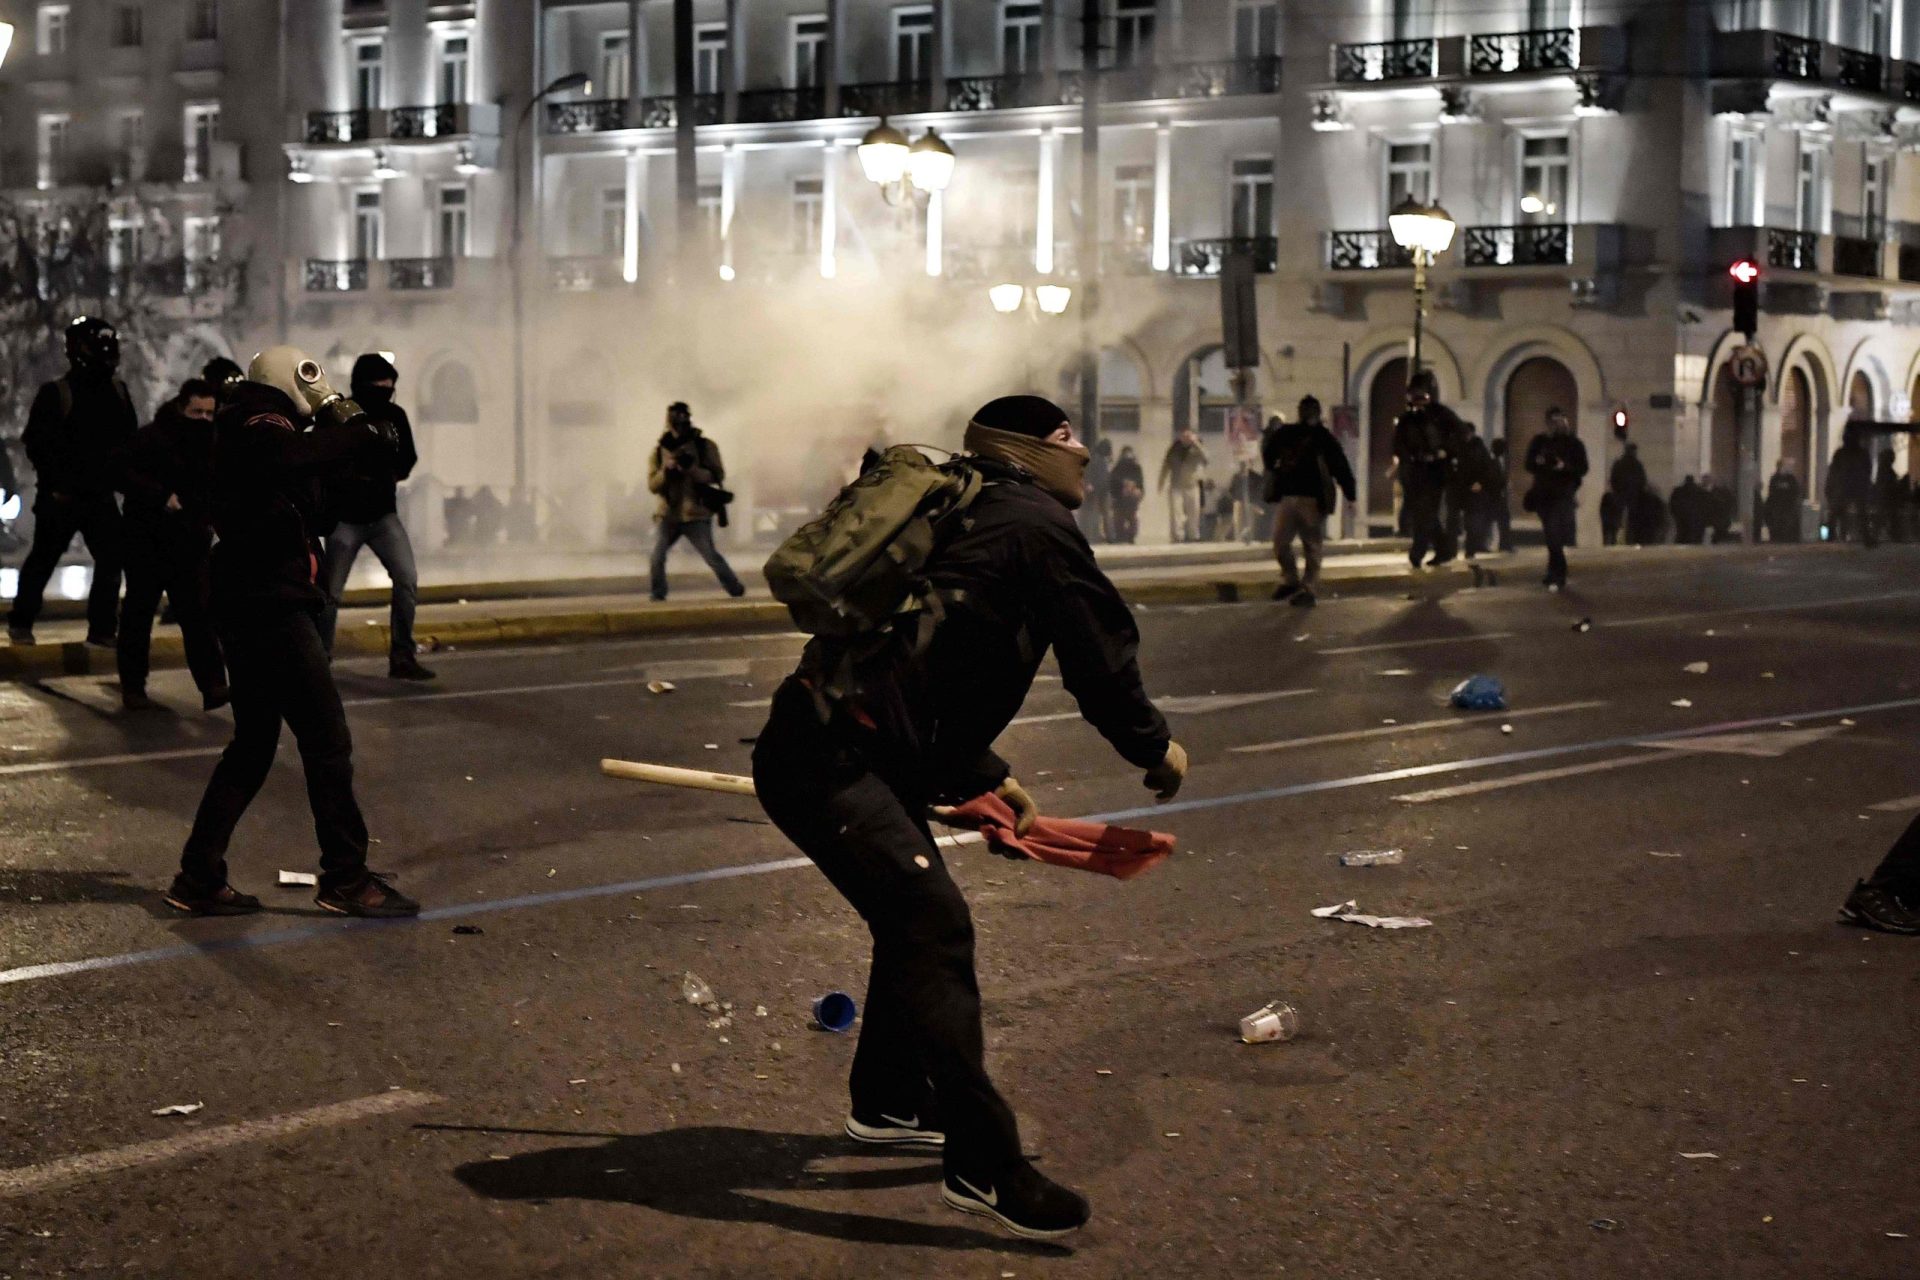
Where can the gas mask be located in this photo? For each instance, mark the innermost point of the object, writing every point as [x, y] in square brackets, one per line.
[300, 378]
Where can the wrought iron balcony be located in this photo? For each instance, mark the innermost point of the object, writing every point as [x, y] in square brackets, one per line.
[339, 126]
[1535, 244]
[662, 113]
[1234, 77]
[999, 93]
[326, 275]
[590, 115]
[886, 98]
[777, 106]
[1366, 251]
[1866, 72]
[1386, 60]
[420, 273]
[1553, 49]
[1207, 257]
[1795, 57]
[185, 277]
[1858, 256]
[1793, 250]
[423, 122]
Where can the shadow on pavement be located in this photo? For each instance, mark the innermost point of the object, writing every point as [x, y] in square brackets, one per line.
[22, 887]
[709, 1172]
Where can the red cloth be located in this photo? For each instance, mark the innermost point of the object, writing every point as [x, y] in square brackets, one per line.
[1120, 852]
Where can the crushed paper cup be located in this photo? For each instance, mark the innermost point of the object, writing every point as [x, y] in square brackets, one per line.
[289, 878]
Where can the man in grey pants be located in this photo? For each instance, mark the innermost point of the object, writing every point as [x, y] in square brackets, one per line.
[1304, 465]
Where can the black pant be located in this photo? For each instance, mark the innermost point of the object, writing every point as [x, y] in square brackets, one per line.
[700, 534]
[96, 518]
[1503, 520]
[1899, 871]
[1557, 527]
[1852, 519]
[1422, 508]
[279, 673]
[922, 1022]
[173, 561]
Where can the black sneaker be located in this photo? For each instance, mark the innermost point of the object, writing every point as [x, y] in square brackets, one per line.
[917, 1128]
[1021, 1200]
[370, 896]
[1872, 907]
[137, 700]
[1284, 591]
[407, 669]
[1304, 599]
[19, 635]
[214, 699]
[101, 642]
[184, 895]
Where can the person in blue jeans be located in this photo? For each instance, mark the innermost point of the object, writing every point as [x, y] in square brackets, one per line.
[367, 504]
[684, 474]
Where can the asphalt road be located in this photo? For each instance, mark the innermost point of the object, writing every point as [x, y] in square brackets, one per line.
[1634, 1042]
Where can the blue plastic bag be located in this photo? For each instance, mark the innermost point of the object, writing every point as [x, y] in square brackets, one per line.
[1480, 693]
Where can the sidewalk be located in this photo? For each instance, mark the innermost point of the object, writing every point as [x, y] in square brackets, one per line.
[478, 615]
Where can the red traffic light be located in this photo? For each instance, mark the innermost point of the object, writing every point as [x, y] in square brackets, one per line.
[1746, 271]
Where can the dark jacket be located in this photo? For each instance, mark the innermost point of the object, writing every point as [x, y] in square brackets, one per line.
[368, 493]
[1021, 580]
[1127, 471]
[682, 490]
[170, 456]
[1628, 477]
[1425, 441]
[265, 499]
[1551, 482]
[1303, 460]
[1850, 474]
[80, 453]
[1477, 466]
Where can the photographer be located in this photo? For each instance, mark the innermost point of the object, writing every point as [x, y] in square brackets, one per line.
[685, 474]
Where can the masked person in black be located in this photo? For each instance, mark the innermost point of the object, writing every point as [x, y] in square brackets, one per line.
[1557, 461]
[850, 780]
[168, 534]
[1305, 466]
[1421, 439]
[264, 499]
[77, 434]
[685, 474]
[223, 375]
[366, 503]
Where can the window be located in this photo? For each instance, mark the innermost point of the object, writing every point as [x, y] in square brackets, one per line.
[1256, 29]
[1412, 19]
[616, 64]
[1119, 393]
[202, 126]
[807, 46]
[1252, 203]
[456, 64]
[912, 43]
[369, 74]
[1810, 197]
[50, 30]
[1544, 177]
[711, 205]
[808, 210]
[130, 145]
[613, 221]
[203, 20]
[1019, 200]
[200, 239]
[1409, 173]
[127, 24]
[709, 57]
[124, 248]
[1133, 203]
[52, 139]
[1873, 198]
[1743, 179]
[366, 224]
[1133, 33]
[1020, 28]
[451, 224]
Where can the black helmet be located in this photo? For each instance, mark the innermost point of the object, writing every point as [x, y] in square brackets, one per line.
[222, 373]
[93, 344]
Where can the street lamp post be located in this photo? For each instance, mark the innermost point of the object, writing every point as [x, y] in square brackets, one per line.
[902, 169]
[573, 80]
[1424, 231]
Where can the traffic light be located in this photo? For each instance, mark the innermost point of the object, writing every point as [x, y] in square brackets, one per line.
[1620, 422]
[1746, 296]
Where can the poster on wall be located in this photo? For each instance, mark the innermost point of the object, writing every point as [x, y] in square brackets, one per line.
[1243, 431]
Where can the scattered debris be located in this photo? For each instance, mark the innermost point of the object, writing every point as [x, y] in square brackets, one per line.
[1102, 1071]
[1681, 702]
[581, 1080]
[308, 878]
[694, 990]
[1350, 912]
[1695, 668]
[1373, 858]
[1506, 728]
[1399, 671]
[1479, 693]
[179, 1109]
[759, 1011]
[1172, 1134]
[1656, 853]
[1583, 626]
[469, 930]
[675, 1066]
[1891, 1235]
[659, 686]
[1699, 1155]
[1848, 723]
[834, 1011]
[1604, 1224]
[1766, 675]
[711, 746]
[1270, 1023]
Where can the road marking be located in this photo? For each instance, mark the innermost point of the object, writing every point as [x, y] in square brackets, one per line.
[689, 669]
[1906, 804]
[96, 762]
[1760, 608]
[1203, 703]
[1414, 644]
[1418, 726]
[1264, 795]
[55, 1174]
[1522, 779]
[1763, 745]
[450, 695]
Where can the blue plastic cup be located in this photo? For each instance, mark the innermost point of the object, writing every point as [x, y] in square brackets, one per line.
[834, 1011]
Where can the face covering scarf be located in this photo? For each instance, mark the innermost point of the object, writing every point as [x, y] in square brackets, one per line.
[1059, 469]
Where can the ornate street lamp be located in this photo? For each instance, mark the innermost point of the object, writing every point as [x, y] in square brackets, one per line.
[1048, 299]
[900, 168]
[1423, 231]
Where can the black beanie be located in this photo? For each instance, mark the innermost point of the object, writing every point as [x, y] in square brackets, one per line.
[1023, 415]
[371, 368]
[1308, 402]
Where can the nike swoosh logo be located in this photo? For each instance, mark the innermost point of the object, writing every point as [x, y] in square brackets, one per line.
[989, 1197]
[911, 1122]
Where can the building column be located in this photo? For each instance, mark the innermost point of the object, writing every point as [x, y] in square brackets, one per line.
[937, 66]
[630, 239]
[1050, 50]
[829, 208]
[730, 161]
[636, 85]
[1043, 236]
[730, 66]
[832, 55]
[686, 173]
[1162, 196]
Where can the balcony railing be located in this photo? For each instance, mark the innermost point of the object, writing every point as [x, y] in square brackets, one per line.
[1793, 250]
[1207, 257]
[886, 98]
[999, 93]
[423, 122]
[590, 115]
[1386, 60]
[584, 274]
[1857, 256]
[777, 106]
[1366, 251]
[1796, 57]
[1528, 245]
[1554, 49]
[1233, 78]
[420, 273]
[185, 277]
[326, 275]
[1865, 72]
[339, 126]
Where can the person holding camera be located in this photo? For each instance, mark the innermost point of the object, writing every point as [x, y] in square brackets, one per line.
[685, 474]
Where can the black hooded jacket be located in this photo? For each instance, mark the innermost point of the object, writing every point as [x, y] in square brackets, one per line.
[172, 456]
[368, 493]
[79, 453]
[264, 499]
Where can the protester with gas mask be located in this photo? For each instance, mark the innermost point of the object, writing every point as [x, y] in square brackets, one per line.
[168, 535]
[872, 730]
[77, 433]
[284, 430]
[367, 503]
[685, 473]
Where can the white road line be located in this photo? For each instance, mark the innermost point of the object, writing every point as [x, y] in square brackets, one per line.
[1522, 779]
[1418, 726]
[1196, 704]
[449, 695]
[1414, 644]
[1906, 804]
[65, 1172]
[1049, 718]
[95, 762]
[1760, 608]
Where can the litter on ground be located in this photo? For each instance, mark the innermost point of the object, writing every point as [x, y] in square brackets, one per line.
[179, 1109]
[1350, 912]
[289, 878]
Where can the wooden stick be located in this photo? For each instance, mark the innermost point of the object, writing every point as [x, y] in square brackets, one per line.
[666, 775]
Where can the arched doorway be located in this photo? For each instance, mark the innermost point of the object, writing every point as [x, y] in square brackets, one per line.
[1723, 446]
[1860, 397]
[1120, 396]
[1202, 393]
[1539, 383]
[1385, 399]
[1796, 424]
